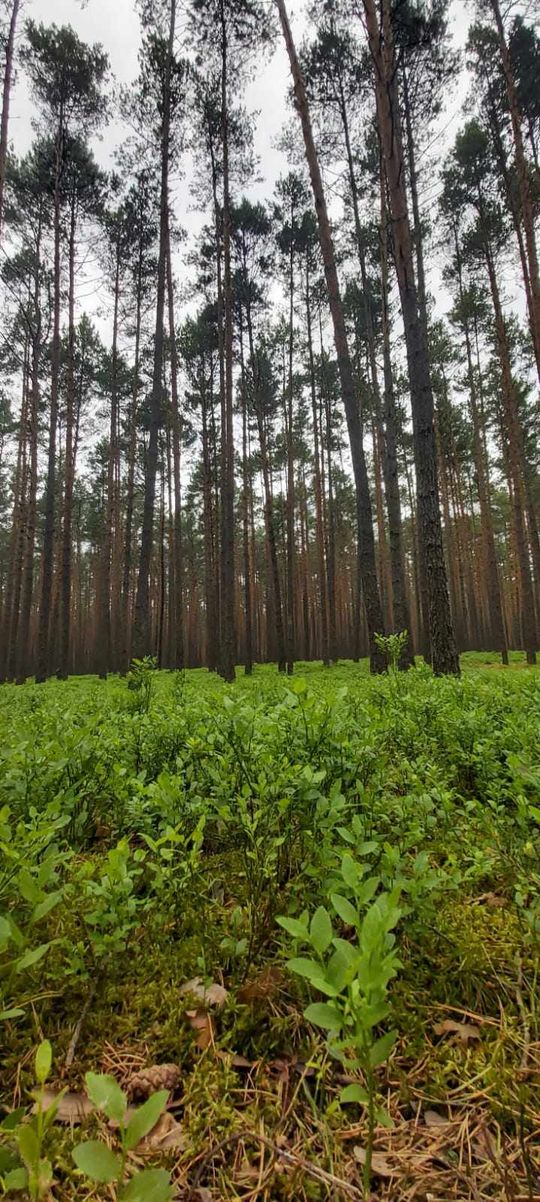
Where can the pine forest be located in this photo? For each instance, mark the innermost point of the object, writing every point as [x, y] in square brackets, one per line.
[270, 600]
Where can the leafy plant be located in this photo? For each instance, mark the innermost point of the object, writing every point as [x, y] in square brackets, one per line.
[140, 681]
[354, 975]
[392, 646]
[34, 1172]
[101, 1164]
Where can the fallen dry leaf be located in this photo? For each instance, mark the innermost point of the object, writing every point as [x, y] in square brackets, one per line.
[263, 986]
[72, 1107]
[379, 1163]
[236, 1061]
[201, 1022]
[464, 1032]
[433, 1119]
[213, 995]
[167, 1136]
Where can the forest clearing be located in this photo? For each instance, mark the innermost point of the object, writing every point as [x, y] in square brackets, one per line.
[196, 875]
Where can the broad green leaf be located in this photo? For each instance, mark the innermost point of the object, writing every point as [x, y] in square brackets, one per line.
[12, 1120]
[106, 1094]
[43, 1061]
[5, 930]
[383, 1118]
[28, 887]
[96, 1161]
[145, 1118]
[152, 1185]
[340, 970]
[44, 907]
[14, 1013]
[28, 1143]
[344, 909]
[380, 1050]
[320, 930]
[354, 1093]
[32, 957]
[321, 1014]
[367, 890]
[350, 871]
[294, 927]
[8, 1160]
[17, 1179]
[313, 973]
[372, 931]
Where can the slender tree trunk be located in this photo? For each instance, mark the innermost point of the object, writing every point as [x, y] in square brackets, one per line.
[291, 632]
[402, 617]
[47, 559]
[23, 656]
[177, 614]
[491, 566]
[125, 625]
[142, 625]
[6, 97]
[227, 574]
[246, 488]
[522, 170]
[517, 468]
[443, 648]
[319, 518]
[365, 522]
[69, 466]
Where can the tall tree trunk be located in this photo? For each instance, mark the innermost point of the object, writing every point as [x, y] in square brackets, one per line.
[141, 624]
[516, 462]
[69, 466]
[246, 490]
[522, 170]
[6, 97]
[443, 648]
[23, 656]
[47, 559]
[227, 623]
[365, 522]
[402, 617]
[125, 625]
[491, 566]
[291, 649]
[322, 592]
[177, 614]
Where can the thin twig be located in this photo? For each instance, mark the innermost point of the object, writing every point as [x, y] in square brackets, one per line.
[70, 1054]
[298, 1162]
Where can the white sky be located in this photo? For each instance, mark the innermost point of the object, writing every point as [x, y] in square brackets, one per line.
[115, 24]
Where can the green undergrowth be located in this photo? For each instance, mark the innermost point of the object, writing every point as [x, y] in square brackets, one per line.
[155, 829]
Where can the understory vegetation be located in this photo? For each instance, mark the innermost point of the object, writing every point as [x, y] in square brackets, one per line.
[302, 915]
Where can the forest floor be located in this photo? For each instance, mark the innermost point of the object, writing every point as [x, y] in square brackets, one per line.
[155, 831]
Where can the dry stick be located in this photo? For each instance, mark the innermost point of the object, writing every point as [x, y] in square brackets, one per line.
[298, 1162]
[70, 1054]
[526, 1030]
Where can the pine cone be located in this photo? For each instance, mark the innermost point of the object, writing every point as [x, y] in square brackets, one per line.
[149, 1080]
